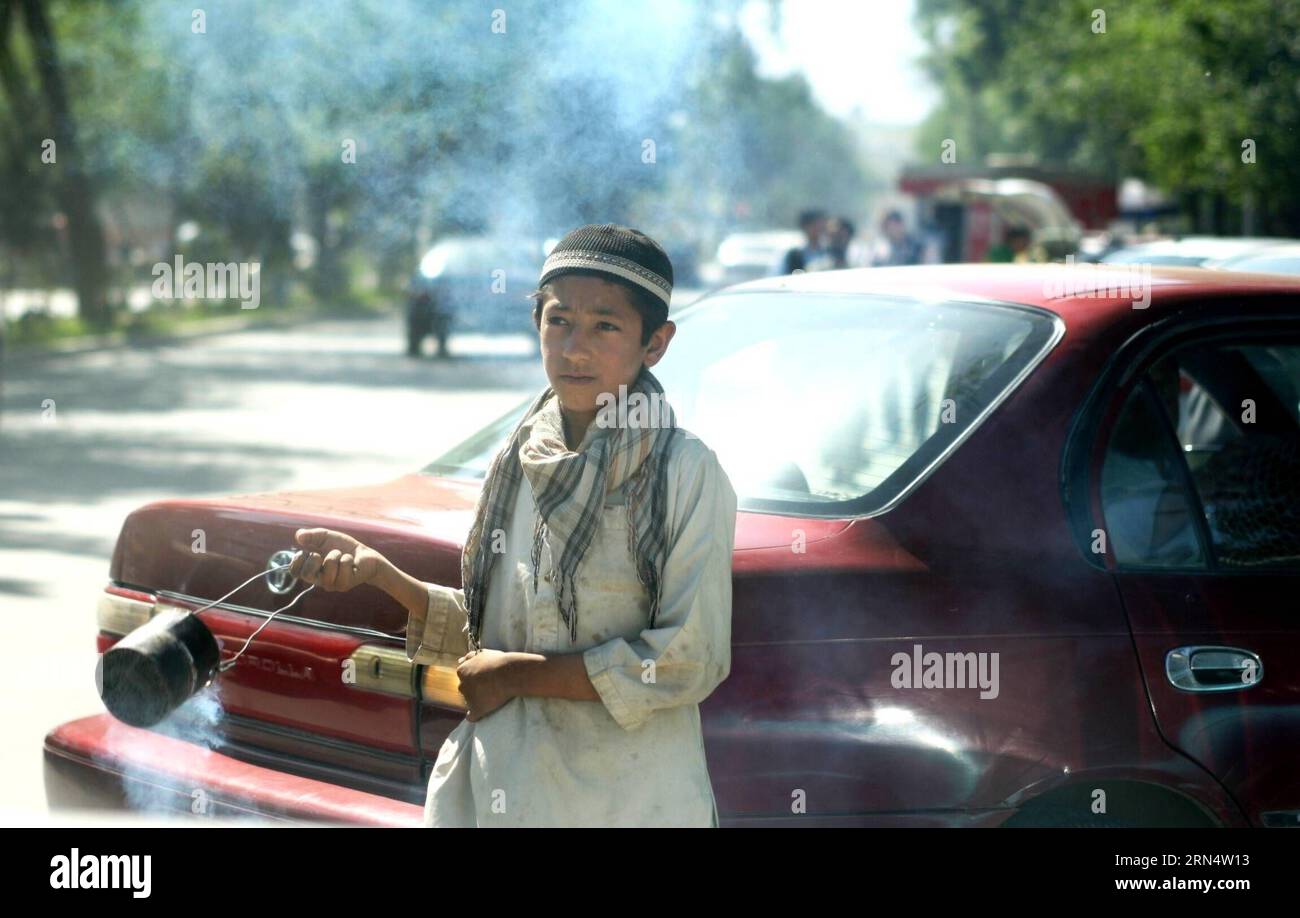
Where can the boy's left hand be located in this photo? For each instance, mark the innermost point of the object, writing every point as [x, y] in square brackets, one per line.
[484, 681]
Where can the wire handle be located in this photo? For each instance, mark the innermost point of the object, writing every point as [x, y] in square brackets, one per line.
[226, 665]
[269, 570]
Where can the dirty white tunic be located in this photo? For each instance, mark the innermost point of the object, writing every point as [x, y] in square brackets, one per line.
[635, 758]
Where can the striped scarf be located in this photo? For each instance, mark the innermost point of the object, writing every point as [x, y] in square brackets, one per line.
[569, 489]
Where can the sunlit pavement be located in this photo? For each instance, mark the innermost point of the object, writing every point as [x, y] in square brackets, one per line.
[326, 405]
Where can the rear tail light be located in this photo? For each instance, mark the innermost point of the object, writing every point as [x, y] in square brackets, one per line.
[120, 615]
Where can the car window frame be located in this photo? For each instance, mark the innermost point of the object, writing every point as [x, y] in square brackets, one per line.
[1192, 497]
[1270, 318]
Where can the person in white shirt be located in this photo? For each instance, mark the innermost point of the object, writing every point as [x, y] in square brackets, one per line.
[596, 609]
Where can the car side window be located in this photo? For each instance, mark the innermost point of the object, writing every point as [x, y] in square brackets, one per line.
[1203, 465]
[1148, 513]
[1248, 481]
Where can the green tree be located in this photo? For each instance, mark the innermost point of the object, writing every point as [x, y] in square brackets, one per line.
[1168, 92]
[755, 151]
[38, 113]
[241, 123]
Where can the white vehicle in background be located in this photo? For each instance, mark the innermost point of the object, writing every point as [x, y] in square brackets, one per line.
[749, 256]
[1193, 251]
[1273, 259]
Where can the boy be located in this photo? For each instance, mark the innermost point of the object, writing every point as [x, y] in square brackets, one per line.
[596, 609]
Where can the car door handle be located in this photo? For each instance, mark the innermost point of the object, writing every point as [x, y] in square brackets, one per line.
[1208, 668]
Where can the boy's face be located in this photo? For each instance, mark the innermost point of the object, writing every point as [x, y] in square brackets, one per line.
[591, 340]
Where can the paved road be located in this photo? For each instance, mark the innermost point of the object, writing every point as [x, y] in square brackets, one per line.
[327, 405]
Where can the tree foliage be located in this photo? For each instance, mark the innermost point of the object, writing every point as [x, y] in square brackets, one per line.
[1168, 92]
[239, 123]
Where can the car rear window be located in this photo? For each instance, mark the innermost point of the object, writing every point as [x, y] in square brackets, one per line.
[827, 405]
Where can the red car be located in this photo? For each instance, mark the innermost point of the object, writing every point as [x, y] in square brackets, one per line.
[1010, 551]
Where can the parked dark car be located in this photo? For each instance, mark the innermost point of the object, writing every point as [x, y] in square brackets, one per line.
[472, 284]
[1002, 559]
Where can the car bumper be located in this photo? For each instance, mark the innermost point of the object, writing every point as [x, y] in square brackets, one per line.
[97, 762]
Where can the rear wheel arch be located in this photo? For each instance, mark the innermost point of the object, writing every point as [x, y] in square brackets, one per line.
[1129, 804]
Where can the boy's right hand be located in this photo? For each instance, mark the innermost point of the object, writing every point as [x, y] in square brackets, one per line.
[334, 560]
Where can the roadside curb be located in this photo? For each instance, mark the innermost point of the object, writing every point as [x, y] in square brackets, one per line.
[87, 344]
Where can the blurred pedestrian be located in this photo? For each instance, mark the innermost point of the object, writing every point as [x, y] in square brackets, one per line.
[839, 237]
[813, 224]
[1018, 246]
[898, 247]
[1015, 240]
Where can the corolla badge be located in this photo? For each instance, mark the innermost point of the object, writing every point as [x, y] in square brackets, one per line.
[281, 581]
